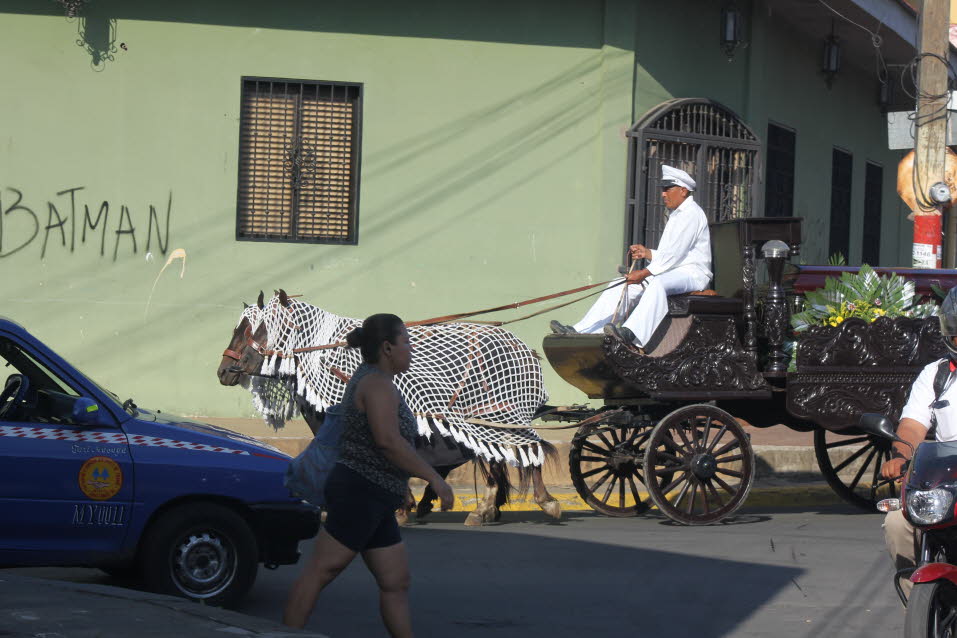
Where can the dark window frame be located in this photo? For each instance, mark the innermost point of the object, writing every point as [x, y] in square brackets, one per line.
[718, 148]
[773, 171]
[842, 202]
[352, 92]
[873, 201]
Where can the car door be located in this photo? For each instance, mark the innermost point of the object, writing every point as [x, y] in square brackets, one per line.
[66, 477]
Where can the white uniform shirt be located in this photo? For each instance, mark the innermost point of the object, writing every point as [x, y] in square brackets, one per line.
[685, 242]
[922, 395]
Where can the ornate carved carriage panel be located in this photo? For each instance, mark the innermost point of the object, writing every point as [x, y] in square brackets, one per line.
[858, 367]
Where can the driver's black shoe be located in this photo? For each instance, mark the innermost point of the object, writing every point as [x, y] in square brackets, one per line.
[562, 329]
[625, 335]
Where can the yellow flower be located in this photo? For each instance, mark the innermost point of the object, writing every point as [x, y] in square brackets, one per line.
[839, 320]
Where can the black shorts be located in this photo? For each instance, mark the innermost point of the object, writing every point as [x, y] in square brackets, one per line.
[359, 513]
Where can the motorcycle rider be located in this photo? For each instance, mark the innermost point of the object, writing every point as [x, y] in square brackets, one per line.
[932, 404]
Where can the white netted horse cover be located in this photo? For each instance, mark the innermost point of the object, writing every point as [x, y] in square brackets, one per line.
[461, 373]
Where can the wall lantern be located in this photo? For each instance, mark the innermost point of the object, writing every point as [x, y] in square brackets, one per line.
[731, 21]
[832, 57]
[885, 94]
[71, 7]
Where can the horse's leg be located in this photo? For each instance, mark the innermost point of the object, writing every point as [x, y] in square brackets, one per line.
[486, 511]
[544, 500]
[497, 487]
[427, 501]
[313, 419]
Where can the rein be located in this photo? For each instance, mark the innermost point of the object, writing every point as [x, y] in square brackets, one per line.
[474, 313]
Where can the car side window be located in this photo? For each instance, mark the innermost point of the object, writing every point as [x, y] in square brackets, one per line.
[48, 399]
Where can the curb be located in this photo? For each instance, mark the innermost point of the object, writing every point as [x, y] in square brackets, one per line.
[788, 496]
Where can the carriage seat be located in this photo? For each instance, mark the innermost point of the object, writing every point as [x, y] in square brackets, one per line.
[706, 302]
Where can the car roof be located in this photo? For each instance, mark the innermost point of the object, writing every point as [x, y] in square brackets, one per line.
[13, 325]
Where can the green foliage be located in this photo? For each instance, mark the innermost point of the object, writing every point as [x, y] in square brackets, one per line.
[864, 295]
[837, 259]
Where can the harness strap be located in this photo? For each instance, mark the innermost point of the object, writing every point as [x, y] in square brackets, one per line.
[448, 318]
[945, 371]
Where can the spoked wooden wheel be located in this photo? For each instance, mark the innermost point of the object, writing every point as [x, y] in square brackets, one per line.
[605, 464]
[699, 465]
[851, 465]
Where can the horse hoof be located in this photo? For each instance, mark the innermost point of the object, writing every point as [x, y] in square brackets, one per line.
[552, 508]
[423, 510]
[474, 519]
[490, 516]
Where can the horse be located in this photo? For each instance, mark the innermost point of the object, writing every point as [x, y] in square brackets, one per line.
[287, 352]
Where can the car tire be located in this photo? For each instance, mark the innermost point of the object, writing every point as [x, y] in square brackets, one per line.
[202, 551]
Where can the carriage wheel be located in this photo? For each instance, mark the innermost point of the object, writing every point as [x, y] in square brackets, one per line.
[851, 465]
[700, 465]
[605, 464]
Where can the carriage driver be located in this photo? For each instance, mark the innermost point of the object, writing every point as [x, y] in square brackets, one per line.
[932, 403]
[681, 263]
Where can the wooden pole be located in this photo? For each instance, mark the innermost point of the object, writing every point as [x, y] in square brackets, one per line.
[931, 130]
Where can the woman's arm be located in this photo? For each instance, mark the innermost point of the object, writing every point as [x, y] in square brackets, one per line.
[381, 402]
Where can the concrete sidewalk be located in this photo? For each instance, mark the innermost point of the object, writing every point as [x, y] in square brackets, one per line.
[54, 609]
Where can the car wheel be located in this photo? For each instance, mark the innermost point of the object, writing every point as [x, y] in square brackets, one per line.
[201, 551]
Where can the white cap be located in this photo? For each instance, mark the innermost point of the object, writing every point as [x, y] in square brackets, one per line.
[671, 176]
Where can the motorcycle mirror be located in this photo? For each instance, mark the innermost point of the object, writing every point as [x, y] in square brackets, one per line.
[878, 425]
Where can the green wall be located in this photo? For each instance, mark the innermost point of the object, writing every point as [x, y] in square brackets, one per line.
[776, 78]
[481, 175]
[493, 162]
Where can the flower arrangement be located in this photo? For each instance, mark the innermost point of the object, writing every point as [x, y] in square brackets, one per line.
[862, 295]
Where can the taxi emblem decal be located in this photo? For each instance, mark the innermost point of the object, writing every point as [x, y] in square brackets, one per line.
[100, 478]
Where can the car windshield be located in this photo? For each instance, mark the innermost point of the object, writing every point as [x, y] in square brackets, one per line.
[42, 377]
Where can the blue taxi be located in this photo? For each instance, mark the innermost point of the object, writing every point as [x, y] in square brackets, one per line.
[89, 479]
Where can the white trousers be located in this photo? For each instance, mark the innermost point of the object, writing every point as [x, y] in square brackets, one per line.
[645, 304]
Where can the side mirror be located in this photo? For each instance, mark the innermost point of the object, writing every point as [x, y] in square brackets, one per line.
[87, 412]
[879, 425]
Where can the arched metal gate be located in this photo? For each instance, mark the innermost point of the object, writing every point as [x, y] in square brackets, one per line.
[703, 138]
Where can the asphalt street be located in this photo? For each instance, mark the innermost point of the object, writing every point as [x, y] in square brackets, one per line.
[814, 573]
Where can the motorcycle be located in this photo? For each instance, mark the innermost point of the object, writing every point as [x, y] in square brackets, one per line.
[928, 496]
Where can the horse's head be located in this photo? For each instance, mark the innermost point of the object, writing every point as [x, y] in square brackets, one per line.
[244, 354]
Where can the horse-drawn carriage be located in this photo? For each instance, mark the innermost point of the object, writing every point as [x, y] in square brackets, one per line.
[669, 431]
[669, 428]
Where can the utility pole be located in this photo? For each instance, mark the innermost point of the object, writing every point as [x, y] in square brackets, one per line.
[930, 190]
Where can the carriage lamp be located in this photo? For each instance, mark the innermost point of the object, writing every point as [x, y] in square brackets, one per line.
[775, 308]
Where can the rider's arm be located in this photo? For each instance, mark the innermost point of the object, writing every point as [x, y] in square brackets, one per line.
[911, 431]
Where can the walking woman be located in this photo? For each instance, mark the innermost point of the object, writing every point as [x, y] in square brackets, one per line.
[367, 485]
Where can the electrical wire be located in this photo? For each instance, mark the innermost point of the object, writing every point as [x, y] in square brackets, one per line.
[876, 41]
[936, 110]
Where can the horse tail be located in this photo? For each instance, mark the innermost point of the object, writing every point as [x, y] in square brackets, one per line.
[525, 472]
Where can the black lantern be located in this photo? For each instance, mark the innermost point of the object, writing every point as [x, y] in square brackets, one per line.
[71, 7]
[730, 30]
[831, 63]
[885, 94]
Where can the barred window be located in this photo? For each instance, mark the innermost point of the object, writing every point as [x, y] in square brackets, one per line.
[299, 161]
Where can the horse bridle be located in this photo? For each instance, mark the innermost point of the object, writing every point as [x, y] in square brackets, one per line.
[237, 355]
